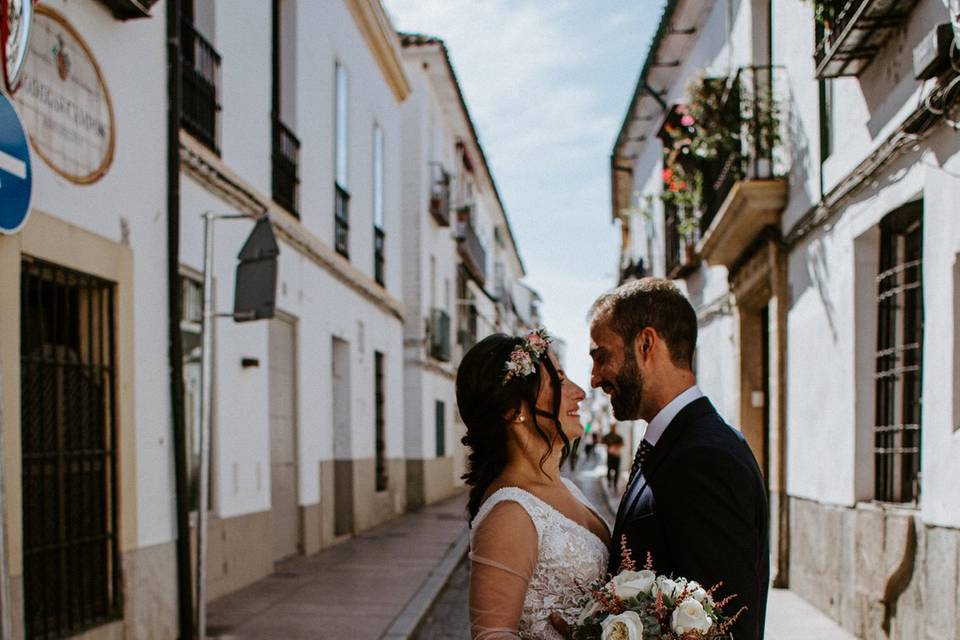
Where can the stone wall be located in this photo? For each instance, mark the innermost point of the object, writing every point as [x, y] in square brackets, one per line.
[878, 571]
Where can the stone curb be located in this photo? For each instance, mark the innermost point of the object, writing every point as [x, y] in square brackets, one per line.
[405, 624]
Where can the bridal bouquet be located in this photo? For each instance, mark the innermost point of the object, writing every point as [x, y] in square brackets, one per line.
[641, 605]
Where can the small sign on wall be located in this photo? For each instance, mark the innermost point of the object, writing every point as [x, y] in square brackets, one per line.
[64, 102]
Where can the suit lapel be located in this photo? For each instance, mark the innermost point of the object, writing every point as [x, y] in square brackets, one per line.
[671, 435]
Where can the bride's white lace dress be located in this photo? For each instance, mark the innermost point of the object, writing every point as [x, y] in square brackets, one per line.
[567, 555]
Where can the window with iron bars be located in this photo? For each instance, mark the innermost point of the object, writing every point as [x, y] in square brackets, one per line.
[200, 82]
[380, 423]
[71, 563]
[899, 364]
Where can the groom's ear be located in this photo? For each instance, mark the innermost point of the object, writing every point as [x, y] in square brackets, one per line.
[643, 344]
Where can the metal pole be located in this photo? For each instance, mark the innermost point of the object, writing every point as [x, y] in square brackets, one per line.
[206, 404]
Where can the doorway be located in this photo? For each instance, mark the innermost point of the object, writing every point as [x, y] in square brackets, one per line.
[343, 469]
[285, 513]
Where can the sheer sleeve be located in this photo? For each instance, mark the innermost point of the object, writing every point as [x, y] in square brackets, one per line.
[503, 557]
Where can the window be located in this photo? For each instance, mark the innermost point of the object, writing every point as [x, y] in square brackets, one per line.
[285, 156]
[341, 206]
[441, 427]
[381, 438]
[825, 87]
[379, 236]
[199, 74]
[826, 119]
[191, 325]
[71, 560]
[899, 365]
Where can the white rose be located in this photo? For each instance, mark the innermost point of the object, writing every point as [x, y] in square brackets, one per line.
[589, 611]
[630, 583]
[696, 591]
[669, 588]
[690, 616]
[625, 626]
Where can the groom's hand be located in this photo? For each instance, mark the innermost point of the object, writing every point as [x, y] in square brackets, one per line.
[561, 625]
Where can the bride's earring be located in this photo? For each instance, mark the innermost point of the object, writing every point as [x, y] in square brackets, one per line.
[523, 418]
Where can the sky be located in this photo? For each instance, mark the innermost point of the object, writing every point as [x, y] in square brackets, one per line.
[548, 83]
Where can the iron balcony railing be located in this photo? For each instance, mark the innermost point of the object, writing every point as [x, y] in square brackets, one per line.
[752, 140]
[286, 167]
[634, 270]
[379, 258]
[200, 78]
[673, 243]
[341, 222]
[439, 335]
[440, 195]
[850, 33]
[471, 248]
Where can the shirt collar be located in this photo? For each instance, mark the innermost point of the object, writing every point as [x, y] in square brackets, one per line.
[663, 419]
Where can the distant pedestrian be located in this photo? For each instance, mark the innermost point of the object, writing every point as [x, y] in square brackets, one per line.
[590, 448]
[574, 454]
[614, 443]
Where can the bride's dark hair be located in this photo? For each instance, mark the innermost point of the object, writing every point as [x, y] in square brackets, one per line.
[486, 405]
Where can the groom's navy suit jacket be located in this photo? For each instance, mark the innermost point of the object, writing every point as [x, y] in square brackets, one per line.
[699, 506]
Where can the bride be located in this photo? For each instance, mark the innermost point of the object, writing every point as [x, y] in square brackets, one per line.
[534, 536]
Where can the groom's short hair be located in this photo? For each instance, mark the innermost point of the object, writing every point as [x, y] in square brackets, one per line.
[656, 303]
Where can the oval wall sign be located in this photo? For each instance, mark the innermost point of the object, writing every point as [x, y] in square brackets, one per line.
[64, 102]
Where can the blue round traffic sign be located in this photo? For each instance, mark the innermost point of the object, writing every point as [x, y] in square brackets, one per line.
[16, 175]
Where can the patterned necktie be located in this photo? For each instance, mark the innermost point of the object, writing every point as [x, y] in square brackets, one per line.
[642, 452]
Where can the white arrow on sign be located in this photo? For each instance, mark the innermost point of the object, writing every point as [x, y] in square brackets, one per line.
[16, 166]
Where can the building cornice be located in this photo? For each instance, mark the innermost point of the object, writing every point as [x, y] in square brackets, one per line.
[383, 43]
[209, 170]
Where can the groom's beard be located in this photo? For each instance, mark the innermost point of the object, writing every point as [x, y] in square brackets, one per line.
[628, 391]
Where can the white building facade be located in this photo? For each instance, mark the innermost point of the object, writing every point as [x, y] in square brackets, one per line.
[85, 410]
[812, 222]
[462, 269]
[302, 123]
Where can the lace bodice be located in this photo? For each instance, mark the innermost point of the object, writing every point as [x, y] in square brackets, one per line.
[568, 555]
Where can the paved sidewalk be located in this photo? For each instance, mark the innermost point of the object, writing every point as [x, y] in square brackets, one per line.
[378, 584]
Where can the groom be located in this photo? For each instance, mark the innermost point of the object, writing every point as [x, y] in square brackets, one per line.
[695, 499]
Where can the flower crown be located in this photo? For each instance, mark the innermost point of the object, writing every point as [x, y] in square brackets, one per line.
[524, 357]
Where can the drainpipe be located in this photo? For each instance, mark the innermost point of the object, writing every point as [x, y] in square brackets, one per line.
[175, 347]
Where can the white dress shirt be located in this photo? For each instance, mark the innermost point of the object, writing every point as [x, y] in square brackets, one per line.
[663, 419]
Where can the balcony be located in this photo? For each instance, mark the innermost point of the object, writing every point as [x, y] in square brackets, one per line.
[852, 32]
[440, 195]
[200, 82]
[341, 225]
[679, 255]
[749, 191]
[439, 335]
[286, 165]
[470, 247]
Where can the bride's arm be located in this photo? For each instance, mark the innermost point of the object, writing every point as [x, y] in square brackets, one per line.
[503, 558]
